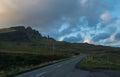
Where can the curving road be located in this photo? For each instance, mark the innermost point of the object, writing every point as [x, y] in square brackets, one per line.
[61, 69]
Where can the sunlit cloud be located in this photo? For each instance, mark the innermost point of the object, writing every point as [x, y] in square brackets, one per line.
[106, 16]
[112, 38]
[89, 41]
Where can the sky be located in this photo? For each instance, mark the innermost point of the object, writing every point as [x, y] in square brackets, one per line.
[79, 21]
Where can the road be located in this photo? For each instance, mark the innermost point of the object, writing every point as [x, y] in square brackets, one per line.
[61, 69]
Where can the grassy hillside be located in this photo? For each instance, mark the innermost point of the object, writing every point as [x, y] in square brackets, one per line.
[101, 61]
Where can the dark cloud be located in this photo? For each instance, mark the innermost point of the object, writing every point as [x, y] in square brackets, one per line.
[48, 13]
[101, 36]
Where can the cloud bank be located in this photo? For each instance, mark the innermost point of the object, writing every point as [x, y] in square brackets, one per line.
[69, 20]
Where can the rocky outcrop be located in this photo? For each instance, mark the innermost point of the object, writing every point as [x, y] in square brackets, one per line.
[32, 33]
[19, 33]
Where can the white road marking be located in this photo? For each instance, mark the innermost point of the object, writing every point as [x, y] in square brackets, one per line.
[38, 75]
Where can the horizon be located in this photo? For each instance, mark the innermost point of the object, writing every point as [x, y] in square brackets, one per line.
[78, 21]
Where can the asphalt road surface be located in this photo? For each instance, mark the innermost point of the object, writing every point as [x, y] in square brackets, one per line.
[61, 69]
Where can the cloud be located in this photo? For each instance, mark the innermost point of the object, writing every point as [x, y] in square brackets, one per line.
[43, 14]
[112, 38]
[64, 19]
[83, 2]
[101, 36]
[49, 12]
[106, 16]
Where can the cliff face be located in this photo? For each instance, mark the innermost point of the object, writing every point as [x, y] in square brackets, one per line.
[32, 33]
[19, 33]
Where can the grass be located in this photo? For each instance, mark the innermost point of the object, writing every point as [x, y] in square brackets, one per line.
[17, 57]
[18, 70]
[36, 47]
[14, 63]
[109, 61]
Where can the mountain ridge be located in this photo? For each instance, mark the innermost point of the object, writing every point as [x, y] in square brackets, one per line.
[22, 34]
[19, 33]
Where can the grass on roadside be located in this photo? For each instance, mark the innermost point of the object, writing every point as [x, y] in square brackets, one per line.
[13, 72]
[14, 63]
[109, 61]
